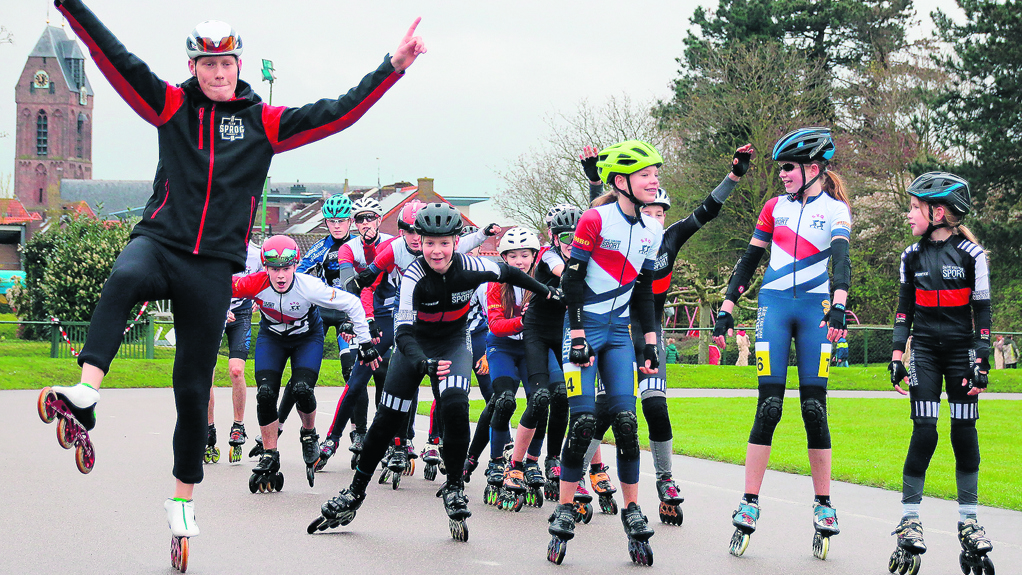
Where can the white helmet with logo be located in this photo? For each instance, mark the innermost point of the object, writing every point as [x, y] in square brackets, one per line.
[213, 38]
[517, 239]
[366, 205]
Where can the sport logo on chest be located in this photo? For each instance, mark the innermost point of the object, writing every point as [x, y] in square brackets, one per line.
[231, 128]
[952, 272]
[461, 296]
[610, 244]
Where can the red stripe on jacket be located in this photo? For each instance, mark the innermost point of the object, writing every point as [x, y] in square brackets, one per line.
[444, 316]
[943, 298]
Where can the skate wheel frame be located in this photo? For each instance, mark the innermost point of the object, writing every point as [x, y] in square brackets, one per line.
[608, 506]
[179, 553]
[640, 552]
[65, 434]
[821, 545]
[739, 542]
[429, 472]
[459, 529]
[583, 512]
[555, 550]
[671, 514]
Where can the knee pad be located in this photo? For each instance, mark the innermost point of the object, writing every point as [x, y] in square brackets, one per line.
[768, 415]
[502, 408]
[921, 446]
[965, 443]
[580, 435]
[814, 417]
[304, 389]
[657, 418]
[536, 411]
[540, 399]
[558, 397]
[267, 390]
[626, 435]
[454, 416]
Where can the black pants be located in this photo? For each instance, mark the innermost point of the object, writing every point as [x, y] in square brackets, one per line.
[539, 342]
[200, 290]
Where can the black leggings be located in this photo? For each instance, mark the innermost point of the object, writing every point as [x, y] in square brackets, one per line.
[200, 290]
[538, 343]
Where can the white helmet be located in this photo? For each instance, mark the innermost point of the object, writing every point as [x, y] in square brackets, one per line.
[213, 38]
[366, 205]
[517, 239]
[662, 199]
[553, 212]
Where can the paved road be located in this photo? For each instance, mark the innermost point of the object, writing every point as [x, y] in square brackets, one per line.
[112, 521]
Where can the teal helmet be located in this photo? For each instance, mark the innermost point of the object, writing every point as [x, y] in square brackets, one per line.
[943, 188]
[337, 206]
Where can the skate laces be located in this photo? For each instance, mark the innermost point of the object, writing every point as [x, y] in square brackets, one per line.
[909, 528]
[581, 489]
[971, 530]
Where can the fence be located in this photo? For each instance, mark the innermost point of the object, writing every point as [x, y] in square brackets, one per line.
[68, 337]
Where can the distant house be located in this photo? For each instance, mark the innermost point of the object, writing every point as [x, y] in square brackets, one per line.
[14, 222]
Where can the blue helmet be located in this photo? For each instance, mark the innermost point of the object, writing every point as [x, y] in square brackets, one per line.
[805, 145]
[943, 188]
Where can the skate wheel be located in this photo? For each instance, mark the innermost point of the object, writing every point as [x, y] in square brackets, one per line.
[410, 470]
[607, 505]
[551, 491]
[585, 512]
[895, 561]
[354, 461]
[384, 476]
[904, 563]
[429, 472]
[46, 411]
[179, 553]
[216, 455]
[310, 474]
[278, 482]
[253, 484]
[739, 543]
[318, 524]
[640, 552]
[459, 529]
[235, 455]
[85, 459]
[395, 481]
[821, 545]
[988, 566]
[916, 561]
[555, 550]
[65, 434]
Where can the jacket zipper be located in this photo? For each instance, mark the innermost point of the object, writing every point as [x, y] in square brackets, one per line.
[202, 112]
[209, 178]
[794, 264]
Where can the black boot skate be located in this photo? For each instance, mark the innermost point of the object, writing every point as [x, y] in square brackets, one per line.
[552, 488]
[975, 546]
[357, 441]
[670, 500]
[534, 482]
[338, 511]
[327, 449]
[604, 489]
[456, 505]
[431, 458]
[562, 530]
[906, 558]
[266, 476]
[825, 523]
[236, 440]
[74, 408]
[494, 479]
[398, 463]
[638, 531]
[310, 453]
[258, 448]
[212, 453]
[512, 490]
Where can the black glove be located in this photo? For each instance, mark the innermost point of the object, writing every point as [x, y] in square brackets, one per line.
[580, 355]
[367, 353]
[429, 367]
[489, 231]
[555, 293]
[836, 316]
[346, 327]
[979, 374]
[589, 169]
[649, 353]
[744, 159]
[365, 279]
[898, 372]
[725, 322]
[374, 332]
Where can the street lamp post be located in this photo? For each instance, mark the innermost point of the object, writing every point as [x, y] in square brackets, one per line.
[268, 76]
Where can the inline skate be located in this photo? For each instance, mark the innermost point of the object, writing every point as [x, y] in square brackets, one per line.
[431, 458]
[552, 488]
[212, 453]
[456, 505]
[258, 448]
[583, 504]
[266, 476]
[181, 518]
[411, 457]
[639, 532]
[512, 491]
[825, 523]
[534, 482]
[397, 464]
[744, 519]
[337, 511]
[357, 441]
[906, 558]
[310, 453]
[494, 479]
[604, 489]
[75, 409]
[562, 530]
[670, 500]
[236, 440]
[326, 451]
[975, 546]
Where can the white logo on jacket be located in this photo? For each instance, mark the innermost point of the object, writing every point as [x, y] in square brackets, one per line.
[231, 128]
[952, 272]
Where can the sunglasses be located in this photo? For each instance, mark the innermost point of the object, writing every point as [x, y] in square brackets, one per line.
[336, 221]
[363, 218]
[788, 167]
[209, 46]
[566, 237]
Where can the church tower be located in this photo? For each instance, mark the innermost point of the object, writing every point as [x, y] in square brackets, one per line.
[54, 129]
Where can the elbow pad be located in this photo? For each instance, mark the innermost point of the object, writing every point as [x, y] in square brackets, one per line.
[841, 263]
[573, 286]
[743, 271]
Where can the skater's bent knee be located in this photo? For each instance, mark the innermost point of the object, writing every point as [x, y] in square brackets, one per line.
[626, 435]
[580, 435]
[504, 405]
[304, 389]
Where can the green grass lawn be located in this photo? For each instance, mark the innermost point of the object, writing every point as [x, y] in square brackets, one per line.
[867, 450]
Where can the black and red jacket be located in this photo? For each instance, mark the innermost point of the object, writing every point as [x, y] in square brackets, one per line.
[214, 156]
[945, 296]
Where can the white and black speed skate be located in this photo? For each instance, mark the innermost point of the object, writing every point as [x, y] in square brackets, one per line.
[906, 558]
[639, 532]
[975, 546]
[310, 453]
[456, 505]
[337, 511]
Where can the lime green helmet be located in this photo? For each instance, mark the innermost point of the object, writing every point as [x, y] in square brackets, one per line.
[626, 158]
[337, 206]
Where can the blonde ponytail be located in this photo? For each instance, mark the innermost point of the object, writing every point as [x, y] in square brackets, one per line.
[834, 185]
[604, 199]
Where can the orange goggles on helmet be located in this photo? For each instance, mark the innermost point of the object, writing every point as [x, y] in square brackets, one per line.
[209, 46]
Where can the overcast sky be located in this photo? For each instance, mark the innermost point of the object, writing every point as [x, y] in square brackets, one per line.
[478, 99]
